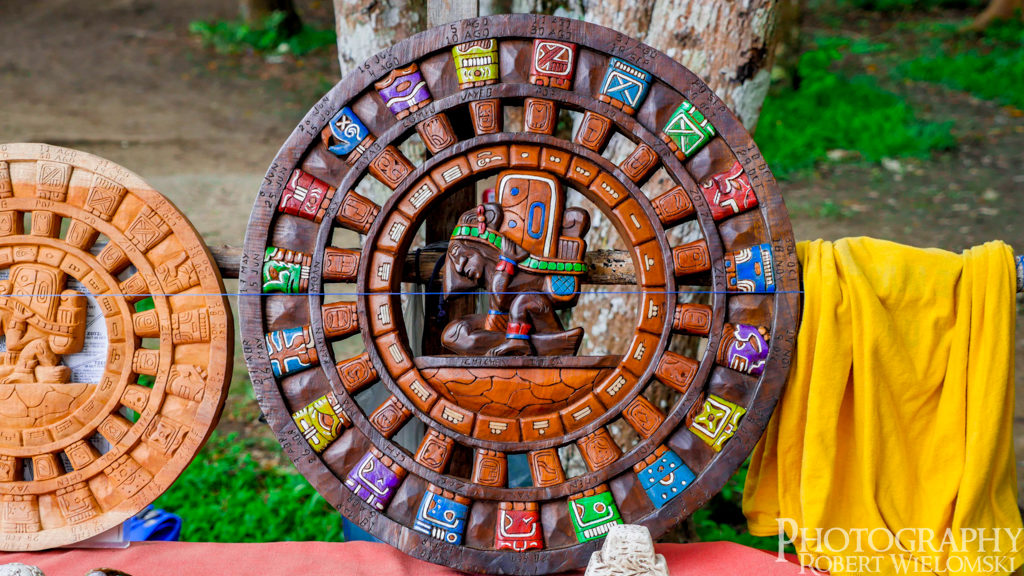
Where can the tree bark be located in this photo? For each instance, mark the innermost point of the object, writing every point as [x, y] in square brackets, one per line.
[728, 44]
[444, 11]
[366, 27]
[997, 10]
[731, 46]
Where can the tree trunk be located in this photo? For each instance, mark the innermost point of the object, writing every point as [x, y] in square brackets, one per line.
[997, 10]
[728, 44]
[731, 46]
[366, 27]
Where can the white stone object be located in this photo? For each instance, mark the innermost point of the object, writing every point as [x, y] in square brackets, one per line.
[627, 551]
[16, 569]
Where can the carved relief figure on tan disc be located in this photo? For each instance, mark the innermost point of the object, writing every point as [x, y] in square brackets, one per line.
[39, 327]
[103, 400]
[527, 251]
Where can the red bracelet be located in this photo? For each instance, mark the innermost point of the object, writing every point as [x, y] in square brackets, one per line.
[506, 265]
[518, 331]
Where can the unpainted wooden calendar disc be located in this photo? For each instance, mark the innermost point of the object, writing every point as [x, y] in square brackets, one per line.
[116, 345]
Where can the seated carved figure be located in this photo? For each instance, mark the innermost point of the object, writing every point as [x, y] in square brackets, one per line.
[527, 251]
[38, 328]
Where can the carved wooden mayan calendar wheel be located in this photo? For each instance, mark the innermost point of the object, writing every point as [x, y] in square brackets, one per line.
[105, 394]
[511, 390]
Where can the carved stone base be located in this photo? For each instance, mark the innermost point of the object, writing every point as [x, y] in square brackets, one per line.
[627, 551]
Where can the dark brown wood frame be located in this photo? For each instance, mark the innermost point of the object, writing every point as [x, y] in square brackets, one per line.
[713, 460]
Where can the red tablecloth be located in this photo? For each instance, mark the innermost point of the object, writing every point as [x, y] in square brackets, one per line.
[350, 559]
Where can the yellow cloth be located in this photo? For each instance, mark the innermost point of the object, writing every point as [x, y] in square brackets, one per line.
[897, 414]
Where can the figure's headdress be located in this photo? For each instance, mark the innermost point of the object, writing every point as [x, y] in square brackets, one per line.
[532, 209]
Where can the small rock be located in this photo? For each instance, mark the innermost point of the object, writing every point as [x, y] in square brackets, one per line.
[15, 569]
[987, 211]
[839, 155]
[990, 195]
[892, 165]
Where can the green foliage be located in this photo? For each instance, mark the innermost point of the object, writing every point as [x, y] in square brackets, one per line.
[233, 36]
[991, 68]
[1006, 31]
[722, 518]
[834, 111]
[831, 210]
[908, 5]
[225, 495]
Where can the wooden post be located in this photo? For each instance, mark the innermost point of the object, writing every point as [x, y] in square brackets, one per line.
[444, 11]
[730, 45]
[439, 227]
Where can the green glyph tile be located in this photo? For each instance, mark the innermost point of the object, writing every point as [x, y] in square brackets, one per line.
[284, 272]
[593, 516]
[687, 131]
